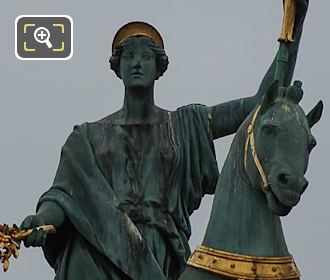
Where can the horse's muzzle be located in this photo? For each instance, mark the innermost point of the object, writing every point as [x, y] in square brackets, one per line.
[287, 187]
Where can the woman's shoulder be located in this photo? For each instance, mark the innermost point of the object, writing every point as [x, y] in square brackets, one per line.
[194, 109]
[192, 106]
[194, 117]
[108, 119]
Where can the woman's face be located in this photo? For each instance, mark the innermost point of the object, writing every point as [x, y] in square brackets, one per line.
[138, 65]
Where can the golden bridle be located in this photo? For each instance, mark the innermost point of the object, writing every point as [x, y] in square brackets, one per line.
[250, 139]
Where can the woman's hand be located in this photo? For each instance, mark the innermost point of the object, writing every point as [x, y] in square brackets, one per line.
[38, 237]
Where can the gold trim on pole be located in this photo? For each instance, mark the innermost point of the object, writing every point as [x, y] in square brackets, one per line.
[288, 21]
[244, 267]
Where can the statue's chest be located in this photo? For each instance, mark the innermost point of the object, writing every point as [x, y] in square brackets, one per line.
[136, 160]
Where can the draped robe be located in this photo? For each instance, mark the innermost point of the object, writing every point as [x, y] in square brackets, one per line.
[127, 192]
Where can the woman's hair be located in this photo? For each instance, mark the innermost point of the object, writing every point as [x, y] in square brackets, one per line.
[161, 57]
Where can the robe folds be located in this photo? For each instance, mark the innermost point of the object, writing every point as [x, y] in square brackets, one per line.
[127, 192]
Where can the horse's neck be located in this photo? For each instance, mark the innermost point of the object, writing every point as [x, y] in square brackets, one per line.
[241, 221]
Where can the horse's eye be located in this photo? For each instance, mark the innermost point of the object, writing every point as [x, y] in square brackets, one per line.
[311, 145]
[269, 129]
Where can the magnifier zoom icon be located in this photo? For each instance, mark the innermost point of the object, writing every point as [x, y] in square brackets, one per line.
[42, 35]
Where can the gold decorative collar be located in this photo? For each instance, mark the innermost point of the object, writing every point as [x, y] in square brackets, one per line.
[243, 267]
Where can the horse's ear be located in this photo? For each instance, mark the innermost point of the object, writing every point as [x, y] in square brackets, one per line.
[294, 92]
[315, 114]
[270, 96]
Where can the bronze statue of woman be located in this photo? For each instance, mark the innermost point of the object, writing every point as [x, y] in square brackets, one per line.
[127, 184]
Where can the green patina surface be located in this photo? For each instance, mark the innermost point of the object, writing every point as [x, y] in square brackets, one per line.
[127, 184]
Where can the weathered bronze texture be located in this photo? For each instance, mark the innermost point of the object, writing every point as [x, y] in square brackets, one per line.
[127, 184]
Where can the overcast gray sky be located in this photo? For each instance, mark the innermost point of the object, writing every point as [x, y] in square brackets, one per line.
[218, 50]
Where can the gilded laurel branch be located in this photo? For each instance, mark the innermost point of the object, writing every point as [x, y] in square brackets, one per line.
[10, 238]
[9, 245]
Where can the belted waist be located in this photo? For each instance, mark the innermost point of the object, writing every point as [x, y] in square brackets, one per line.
[151, 214]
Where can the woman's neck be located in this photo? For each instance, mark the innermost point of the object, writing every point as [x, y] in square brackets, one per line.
[139, 106]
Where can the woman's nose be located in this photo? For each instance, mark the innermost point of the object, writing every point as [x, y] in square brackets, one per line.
[137, 61]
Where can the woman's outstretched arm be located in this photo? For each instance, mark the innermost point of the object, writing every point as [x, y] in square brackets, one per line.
[228, 116]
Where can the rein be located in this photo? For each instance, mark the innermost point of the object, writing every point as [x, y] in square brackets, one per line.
[250, 139]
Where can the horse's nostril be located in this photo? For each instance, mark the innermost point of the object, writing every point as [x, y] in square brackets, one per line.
[282, 178]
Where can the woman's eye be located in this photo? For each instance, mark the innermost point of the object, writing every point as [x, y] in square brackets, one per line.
[147, 56]
[126, 55]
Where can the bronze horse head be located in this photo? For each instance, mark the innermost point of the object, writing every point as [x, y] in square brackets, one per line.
[262, 179]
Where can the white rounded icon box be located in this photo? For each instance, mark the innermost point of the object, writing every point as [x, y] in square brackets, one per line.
[43, 37]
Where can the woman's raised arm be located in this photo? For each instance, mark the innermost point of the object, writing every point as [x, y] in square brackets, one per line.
[227, 117]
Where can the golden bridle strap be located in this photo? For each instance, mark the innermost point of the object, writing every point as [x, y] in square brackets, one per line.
[250, 139]
[243, 267]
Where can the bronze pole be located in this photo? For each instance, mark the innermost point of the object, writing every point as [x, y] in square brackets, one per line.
[286, 38]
